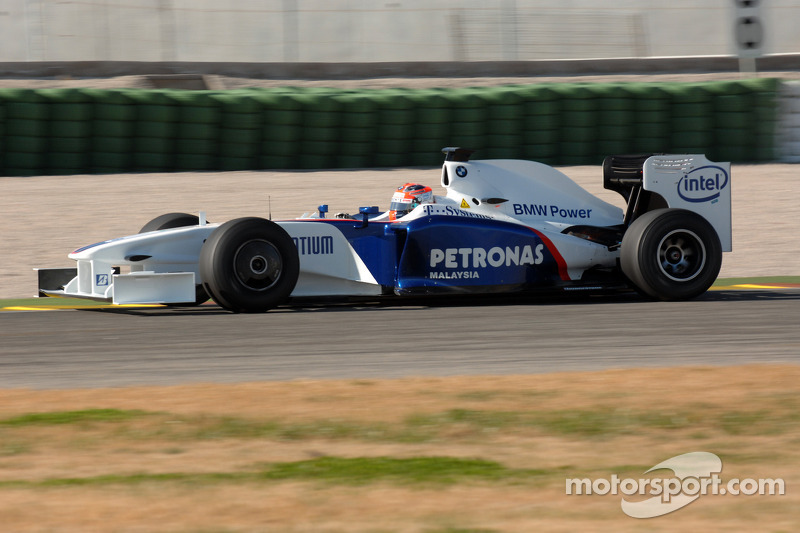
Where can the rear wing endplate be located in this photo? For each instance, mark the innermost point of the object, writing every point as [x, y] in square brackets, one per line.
[689, 182]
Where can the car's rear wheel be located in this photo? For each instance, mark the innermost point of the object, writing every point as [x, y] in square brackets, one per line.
[178, 220]
[671, 254]
[249, 265]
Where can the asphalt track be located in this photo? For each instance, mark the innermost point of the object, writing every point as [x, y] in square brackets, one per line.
[102, 348]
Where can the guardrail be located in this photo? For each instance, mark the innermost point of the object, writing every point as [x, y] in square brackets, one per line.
[71, 131]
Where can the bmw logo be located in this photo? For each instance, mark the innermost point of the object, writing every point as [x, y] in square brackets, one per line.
[461, 171]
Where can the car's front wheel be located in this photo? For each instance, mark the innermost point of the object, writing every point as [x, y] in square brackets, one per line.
[249, 265]
[671, 254]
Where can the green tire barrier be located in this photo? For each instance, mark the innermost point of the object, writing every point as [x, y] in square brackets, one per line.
[69, 131]
[2, 134]
[113, 128]
[540, 122]
[432, 126]
[25, 132]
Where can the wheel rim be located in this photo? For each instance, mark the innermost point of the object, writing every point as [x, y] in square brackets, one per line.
[681, 255]
[258, 265]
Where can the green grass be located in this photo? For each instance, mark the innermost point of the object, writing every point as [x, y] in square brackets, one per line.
[329, 470]
[132, 479]
[73, 417]
[358, 470]
[10, 448]
[450, 425]
[228, 427]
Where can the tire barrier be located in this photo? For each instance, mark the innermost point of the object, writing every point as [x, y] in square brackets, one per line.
[242, 119]
[155, 131]
[113, 128]
[25, 132]
[71, 131]
[396, 120]
[788, 129]
[199, 130]
[432, 127]
[357, 130]
[320, 133]
[281, 131]
[2, 134]
[653, 117]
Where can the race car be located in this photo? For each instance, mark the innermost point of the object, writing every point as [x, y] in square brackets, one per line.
[504, 226]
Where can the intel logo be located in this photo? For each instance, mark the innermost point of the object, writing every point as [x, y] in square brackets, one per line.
[703, 184]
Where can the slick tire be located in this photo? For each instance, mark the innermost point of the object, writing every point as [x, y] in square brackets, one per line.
[671, 254]
[249, 265]
[178, 220]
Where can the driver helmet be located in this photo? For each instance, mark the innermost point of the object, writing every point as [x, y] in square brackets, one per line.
[407, 197]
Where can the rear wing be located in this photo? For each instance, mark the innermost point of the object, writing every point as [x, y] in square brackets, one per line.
[690, 182]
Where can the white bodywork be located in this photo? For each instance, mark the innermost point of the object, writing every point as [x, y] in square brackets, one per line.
[162, 266]
[549, 195]
[693, 182]
[150, 280]
[170, 274]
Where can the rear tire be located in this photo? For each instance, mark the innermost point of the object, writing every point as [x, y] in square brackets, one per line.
[671, 254]
[249, 265]
[178, 220]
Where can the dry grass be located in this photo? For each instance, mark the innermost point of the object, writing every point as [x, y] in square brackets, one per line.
[540, 429]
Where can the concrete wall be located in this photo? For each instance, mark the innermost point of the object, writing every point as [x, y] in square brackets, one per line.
[371, 31]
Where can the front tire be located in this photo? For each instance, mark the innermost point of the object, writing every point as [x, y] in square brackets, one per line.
[249, 265]
[671, 254]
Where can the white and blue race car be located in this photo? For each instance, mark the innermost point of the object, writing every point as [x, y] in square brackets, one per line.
[504, 226]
